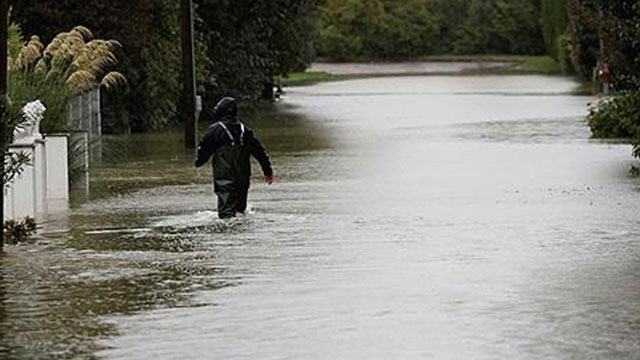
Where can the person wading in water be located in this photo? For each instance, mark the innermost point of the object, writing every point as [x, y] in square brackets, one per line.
[231, 144]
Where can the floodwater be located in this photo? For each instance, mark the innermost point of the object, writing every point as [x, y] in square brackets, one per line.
[466, 217]
[411, 67]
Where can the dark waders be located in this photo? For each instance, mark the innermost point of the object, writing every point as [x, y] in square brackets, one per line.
[231, 173]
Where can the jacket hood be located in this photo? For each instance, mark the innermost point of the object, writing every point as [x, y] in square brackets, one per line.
[226, 110]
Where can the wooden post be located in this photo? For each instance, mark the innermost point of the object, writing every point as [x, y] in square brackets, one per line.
[4, 14]
[188, 103]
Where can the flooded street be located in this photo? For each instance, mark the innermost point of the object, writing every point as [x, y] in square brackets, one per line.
[461, 217]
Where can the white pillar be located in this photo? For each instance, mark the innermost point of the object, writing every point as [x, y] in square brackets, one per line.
[57, 177]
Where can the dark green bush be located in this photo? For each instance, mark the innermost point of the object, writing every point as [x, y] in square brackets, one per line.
[618, 117]
[16, 232]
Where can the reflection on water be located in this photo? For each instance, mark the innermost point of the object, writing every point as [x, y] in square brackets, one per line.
[416, 217]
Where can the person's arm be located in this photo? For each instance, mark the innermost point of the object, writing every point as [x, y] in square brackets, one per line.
[205, 147]
[258, 152]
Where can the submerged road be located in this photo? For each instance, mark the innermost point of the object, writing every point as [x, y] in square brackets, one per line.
[415, 218]
[411, 67]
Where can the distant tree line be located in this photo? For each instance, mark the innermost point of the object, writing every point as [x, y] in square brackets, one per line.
[241, 45]
[400, 29]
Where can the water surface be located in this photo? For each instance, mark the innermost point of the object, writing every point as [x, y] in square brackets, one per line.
[415, 217]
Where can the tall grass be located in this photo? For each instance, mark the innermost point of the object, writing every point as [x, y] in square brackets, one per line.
[72, 63]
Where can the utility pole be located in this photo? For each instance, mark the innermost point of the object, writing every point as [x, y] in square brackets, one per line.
[188, 103]
[4, 14]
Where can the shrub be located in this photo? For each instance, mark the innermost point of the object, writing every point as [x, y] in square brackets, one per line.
[618, 118]
[72, 63]
[16, 232]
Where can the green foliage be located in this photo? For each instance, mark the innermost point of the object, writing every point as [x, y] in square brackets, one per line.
[16, 232]
[14, 40]
[612, 25]
[148, 32]
[241, 45]
[554, 25]
[348, 30]
[388, 29]
[499, 26]
[407, 30]
[251, 42]
[25, 87]
[618, 117]
[72, 63]
[565, 52]
[450, 15]
[14, 164]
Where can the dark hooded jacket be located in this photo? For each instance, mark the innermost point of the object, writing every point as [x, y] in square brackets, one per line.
[231, 162]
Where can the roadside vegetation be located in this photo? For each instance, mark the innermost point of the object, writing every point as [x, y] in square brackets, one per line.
[241, 46]
[304, 78]
[607, 31]
[244, 48]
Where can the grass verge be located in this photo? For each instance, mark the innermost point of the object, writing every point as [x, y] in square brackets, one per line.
[304, 78]
[539, 64]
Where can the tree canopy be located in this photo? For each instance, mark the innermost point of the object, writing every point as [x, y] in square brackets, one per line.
[240, 46]
[401, 29]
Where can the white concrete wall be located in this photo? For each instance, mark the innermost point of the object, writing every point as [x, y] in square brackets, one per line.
[21, 191]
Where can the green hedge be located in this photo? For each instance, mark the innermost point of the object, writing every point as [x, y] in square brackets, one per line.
[617, 117]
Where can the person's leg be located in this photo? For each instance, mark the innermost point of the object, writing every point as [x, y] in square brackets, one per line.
[227, 203]
[242, 200]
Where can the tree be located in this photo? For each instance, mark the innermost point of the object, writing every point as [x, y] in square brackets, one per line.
[250, 42]
[147, 29]
[554, 24]
[349, 30]
[502, 27]
[617, 41]
[607, 31]
[450, 15]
